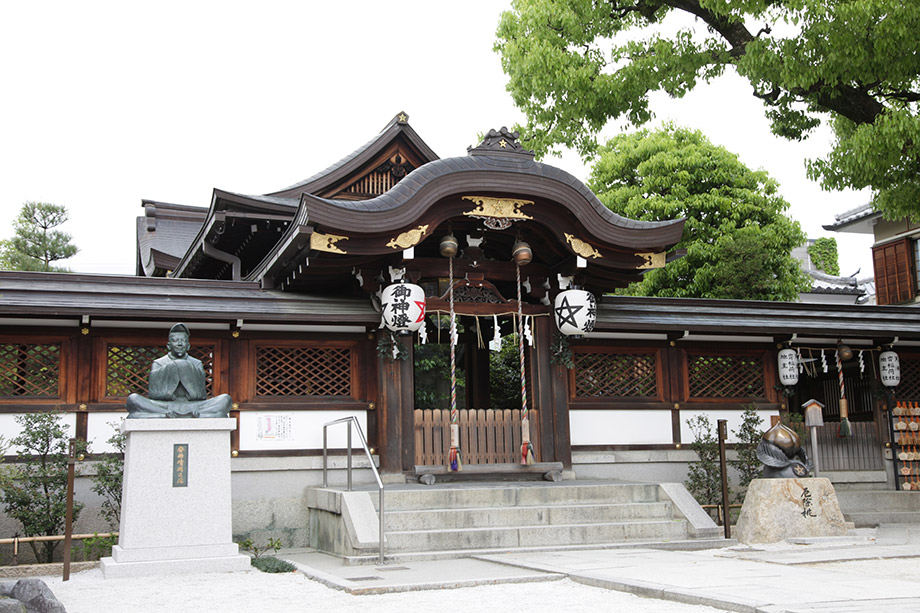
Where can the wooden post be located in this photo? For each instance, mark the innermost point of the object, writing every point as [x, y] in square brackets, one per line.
[68, 525]
[726, 515]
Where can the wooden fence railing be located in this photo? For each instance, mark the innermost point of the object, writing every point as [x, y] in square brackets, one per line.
[487, 436]
[862, 451]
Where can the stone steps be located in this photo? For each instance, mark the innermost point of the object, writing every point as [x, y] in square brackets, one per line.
[462, 519]
[483, 517]
[513, 537]
[870, 508]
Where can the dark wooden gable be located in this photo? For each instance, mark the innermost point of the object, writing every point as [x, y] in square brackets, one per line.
[371, 170]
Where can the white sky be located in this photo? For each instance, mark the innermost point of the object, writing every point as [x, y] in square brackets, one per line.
[106, 103]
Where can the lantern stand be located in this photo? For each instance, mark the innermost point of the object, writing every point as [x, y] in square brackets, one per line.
[814, 418]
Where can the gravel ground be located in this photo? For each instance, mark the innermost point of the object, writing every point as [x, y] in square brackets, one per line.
[88, 592]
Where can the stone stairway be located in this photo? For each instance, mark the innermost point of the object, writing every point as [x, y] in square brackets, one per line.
[466, 519]
[868, 509]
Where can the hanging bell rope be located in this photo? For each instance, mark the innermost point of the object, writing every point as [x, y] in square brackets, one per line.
[527, 453]
[454, 461]
[845, 429]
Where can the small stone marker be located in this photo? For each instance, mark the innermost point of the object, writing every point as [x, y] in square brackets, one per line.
[778, 509]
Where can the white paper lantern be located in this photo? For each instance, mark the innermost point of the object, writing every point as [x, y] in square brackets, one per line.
[889, 368]
[403, 307]
[575, 311]
[788, 367]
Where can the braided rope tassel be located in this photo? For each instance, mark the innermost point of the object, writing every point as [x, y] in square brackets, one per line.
[454, 461]
[527, 455]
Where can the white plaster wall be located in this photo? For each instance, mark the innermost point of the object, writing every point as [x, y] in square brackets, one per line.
[620, 427]
[734, 417]
[305, 431]
[9, 429]
[99, 430]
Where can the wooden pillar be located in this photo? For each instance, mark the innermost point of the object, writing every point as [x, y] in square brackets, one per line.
[550, 385]
[395, 406]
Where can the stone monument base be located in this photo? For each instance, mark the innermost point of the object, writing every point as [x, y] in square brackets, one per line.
[176, 505]
[778, 509]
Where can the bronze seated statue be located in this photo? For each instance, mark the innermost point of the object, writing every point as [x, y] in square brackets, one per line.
[177, 385]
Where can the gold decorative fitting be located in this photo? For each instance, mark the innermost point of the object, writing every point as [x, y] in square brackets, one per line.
[677, 446]
[673, 344]
[676, 405]
[234, 453]
[504, 208]
[326, 242]
[82, 407]
[81, 457]
[582, 248]
[236, 406]
[84, 331]
[235, 334]
[652, 260]
[370, 406]
[409, 238]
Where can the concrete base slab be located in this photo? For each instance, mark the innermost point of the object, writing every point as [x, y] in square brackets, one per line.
[119, 570]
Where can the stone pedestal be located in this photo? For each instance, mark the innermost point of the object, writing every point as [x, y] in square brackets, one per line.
[175, 507]
[777, 509]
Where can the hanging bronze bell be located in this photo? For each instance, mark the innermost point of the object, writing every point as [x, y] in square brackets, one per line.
[521, 253]
[449, 246]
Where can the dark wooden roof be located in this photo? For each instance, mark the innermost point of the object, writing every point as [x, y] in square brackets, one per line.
[50, 295]
[397, 130]
[164, 234]
[756, 318]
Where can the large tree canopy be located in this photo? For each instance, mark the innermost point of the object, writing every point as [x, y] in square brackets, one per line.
[576, 64]
[737, 238]
[36, 243]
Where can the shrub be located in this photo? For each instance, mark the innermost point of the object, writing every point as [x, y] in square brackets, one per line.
[35, 494]
[107, 482]
[703, 475]
[271, 564]
[747, 438]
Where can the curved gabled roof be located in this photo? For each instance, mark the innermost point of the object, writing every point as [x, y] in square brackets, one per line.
[516, 174]
[398, 128]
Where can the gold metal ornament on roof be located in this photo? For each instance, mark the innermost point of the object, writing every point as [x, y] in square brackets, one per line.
[498, 213]
[409, 238]
[652, 260]
[327, 242]
[582, 248]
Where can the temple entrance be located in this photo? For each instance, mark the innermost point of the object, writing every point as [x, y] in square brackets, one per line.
[488, 383]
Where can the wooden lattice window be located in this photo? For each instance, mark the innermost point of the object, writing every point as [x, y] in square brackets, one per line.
[617, 375]
[725, 375]
[128, 367]
[29, 370]
[909, 388]
[303, 371]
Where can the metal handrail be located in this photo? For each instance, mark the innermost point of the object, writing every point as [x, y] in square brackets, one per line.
[353, 420]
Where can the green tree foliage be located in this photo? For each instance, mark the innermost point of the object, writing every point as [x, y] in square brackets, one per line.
[35, 493]
[36, 243]
[505, 375]
[824, 255]
[737, 239]
[573, 65]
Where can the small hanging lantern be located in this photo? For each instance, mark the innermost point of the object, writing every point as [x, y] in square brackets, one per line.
[521, 253]
[788, 367]
[403, 307]
[575, 311]
[889, 368]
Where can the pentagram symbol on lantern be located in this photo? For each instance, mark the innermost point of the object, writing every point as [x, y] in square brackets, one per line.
[565, 312]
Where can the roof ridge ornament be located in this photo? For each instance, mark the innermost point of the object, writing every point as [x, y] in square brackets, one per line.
[500, 141]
